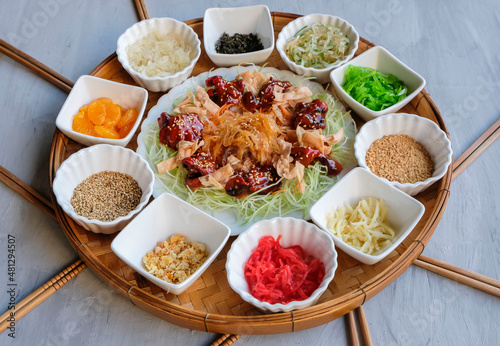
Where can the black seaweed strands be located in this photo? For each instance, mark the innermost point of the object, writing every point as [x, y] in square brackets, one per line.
[238, 43]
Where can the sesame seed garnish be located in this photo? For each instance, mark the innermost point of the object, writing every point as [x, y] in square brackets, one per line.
[399, 158]
[106, 195]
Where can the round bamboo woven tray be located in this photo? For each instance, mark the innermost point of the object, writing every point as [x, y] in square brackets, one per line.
[210, 304]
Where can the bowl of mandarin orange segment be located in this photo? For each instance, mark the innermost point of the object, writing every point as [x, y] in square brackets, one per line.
[100, 111]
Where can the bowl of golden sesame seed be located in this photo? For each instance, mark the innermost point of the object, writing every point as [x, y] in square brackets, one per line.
[407, 150]
[103, 187]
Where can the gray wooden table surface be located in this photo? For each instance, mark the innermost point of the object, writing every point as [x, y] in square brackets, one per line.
[454, 45]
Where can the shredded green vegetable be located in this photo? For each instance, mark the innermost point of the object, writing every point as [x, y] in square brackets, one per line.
[372, 88]
[257, 206]
[317, 46]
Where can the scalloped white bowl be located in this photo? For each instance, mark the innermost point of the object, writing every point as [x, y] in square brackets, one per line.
[90, 88]
[321, 75]
[143, 28]
[242, 20]
[383, 61]
[95, 159]
[421, 129]
[313, 240]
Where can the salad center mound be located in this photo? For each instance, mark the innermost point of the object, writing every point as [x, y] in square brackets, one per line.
[254, 144]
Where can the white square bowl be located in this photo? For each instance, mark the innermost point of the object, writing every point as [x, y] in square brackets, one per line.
[90, 88]
[313, 240]
[241, 20]
[404, 211]
[321, 75]
[381, 60]
[165, 216]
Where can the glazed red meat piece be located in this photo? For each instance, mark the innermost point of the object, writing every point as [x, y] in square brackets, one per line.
[265, 97]
[225, 92]
[260, 178]
[310, 115]
[236, 186]
[184, 127]
[199, 164]
[305, 155]
[266, 92]
[193, 183]
[250, 102]
[308, 156]
[333, 166]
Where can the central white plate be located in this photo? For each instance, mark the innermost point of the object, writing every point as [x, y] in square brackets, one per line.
[167, 103]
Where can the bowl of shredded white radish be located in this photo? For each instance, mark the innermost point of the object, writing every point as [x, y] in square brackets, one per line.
[366, 217]
[315, 44]
[159, 53]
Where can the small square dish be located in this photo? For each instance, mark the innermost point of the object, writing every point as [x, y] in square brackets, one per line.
[238, 20]
[380, 59]
[164, 217]
[403, 214]
[90, 88]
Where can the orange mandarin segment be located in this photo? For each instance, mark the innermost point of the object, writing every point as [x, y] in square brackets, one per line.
[80, 115]
[84, 126]
[130, 116]
[84, 109]
[103, 118]
[123, 109]
[105, 100]
[97, 112]
[106, 132]
[124, 131]
[113, 115]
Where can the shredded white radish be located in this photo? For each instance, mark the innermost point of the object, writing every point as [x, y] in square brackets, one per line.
[317, 46]
[158, 55]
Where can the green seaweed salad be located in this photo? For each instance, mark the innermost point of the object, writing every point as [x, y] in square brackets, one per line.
[372, 88]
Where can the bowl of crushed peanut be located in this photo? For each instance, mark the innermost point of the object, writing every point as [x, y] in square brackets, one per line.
[407, 150]
[171, 243]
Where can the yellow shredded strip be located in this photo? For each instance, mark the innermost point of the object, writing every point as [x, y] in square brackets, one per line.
[365, 227]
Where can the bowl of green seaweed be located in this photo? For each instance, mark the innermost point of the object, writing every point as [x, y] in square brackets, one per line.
[376, 83]
[239, 35]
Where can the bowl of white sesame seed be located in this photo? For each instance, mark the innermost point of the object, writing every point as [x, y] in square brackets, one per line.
[103, 187]
[408, 151]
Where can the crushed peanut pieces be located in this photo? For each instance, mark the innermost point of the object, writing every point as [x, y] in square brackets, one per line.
[175, 259]
[399, 158]
[105, 196]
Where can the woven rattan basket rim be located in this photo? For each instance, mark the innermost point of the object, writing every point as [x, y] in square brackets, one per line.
[290, 321]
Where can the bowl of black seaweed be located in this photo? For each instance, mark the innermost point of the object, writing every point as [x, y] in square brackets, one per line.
[239, 35]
